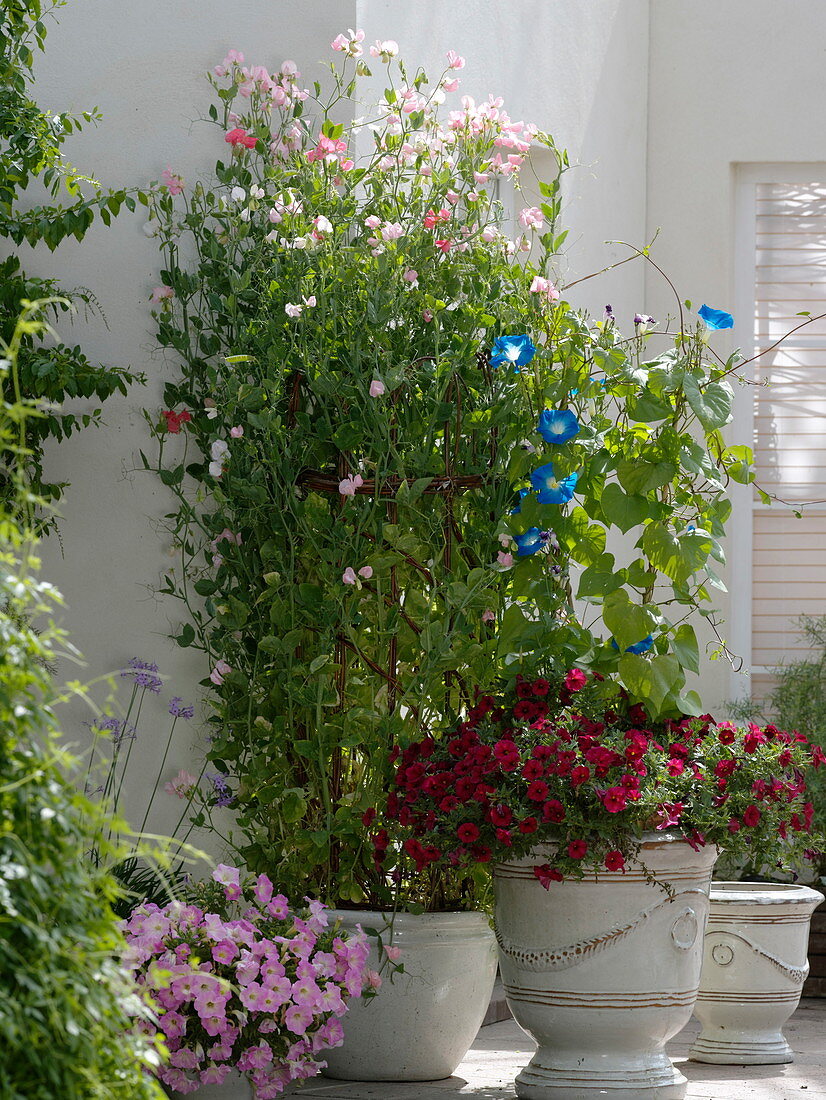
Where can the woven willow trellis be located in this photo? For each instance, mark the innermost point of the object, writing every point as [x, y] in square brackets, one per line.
[447, 487]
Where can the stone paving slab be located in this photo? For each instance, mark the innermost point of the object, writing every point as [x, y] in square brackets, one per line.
[502, 1049]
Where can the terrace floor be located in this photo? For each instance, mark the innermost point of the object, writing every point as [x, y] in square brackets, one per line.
[502, 1049]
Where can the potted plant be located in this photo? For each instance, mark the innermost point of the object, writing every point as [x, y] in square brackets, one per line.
[258, 990]
[601, 827]
[754, 967]
[397, 454]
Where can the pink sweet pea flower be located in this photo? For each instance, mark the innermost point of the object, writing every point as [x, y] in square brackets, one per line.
[444, 245]
[454, 61]
[349, 576]
[161, 293]
[488, 616]
[505, 560]
[385, 50]
[366, 571]
[393, 953]
[377, 388]
[236, 432]
[219, 672]
[373, 979]
[531, 217]
[544, 287]
[349, 43]
[348, 485]
[173, 183]
[182, 785]
[411, 276]
[293, 310]
[451, 85]
[240, 137]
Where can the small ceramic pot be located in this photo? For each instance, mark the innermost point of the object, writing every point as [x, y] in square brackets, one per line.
[422, 1022]
[604, 971]
[754, 967]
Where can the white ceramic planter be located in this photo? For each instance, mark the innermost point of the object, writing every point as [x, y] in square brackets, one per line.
[235, 1087]
[603, 972]
[420, 1025]
[754, 968]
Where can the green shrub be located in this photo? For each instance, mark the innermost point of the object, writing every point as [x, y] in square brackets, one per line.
[65, 1003]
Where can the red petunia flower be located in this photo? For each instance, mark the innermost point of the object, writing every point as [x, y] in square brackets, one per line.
[576, 680]
[614, 861]
[547, 874]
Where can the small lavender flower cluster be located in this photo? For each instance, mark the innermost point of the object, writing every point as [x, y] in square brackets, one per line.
[261, 994]
[143, 674]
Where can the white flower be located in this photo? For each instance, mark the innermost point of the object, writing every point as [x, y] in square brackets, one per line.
[218, 449]
[293, 310]
[322, 224]
[245, 214]
[256, 192]
[238, 194]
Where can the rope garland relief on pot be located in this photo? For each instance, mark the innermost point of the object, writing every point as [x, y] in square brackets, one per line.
[540, 960]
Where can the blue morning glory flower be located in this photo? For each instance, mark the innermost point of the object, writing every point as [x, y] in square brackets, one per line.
[550, 489]
[518, 507]
[529, 542]
[557, 425]
[715, 318]
[637, 647]
[516, 350]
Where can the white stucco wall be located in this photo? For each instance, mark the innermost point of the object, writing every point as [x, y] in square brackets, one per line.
[735, 83]
[577, 70]
[147, 78]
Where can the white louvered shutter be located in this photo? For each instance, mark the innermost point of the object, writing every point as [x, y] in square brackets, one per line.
[788, 554]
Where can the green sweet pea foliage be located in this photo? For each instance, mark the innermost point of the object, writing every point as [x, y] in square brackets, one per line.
[364, 539]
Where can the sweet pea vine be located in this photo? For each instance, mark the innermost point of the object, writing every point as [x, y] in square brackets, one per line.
[571, 764]
[419, 446]
[261, 991]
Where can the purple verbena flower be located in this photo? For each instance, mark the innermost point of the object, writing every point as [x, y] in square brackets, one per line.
[178, 711]
[143, 674]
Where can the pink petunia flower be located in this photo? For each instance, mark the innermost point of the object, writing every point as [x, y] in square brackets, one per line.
[230, 879]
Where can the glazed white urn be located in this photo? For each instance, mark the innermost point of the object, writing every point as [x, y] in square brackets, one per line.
[754, 967]
[421, 1023]
[603, 972]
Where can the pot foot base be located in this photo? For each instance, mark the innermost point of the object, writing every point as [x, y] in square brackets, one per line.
[542, 1080]
[758, 1051]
